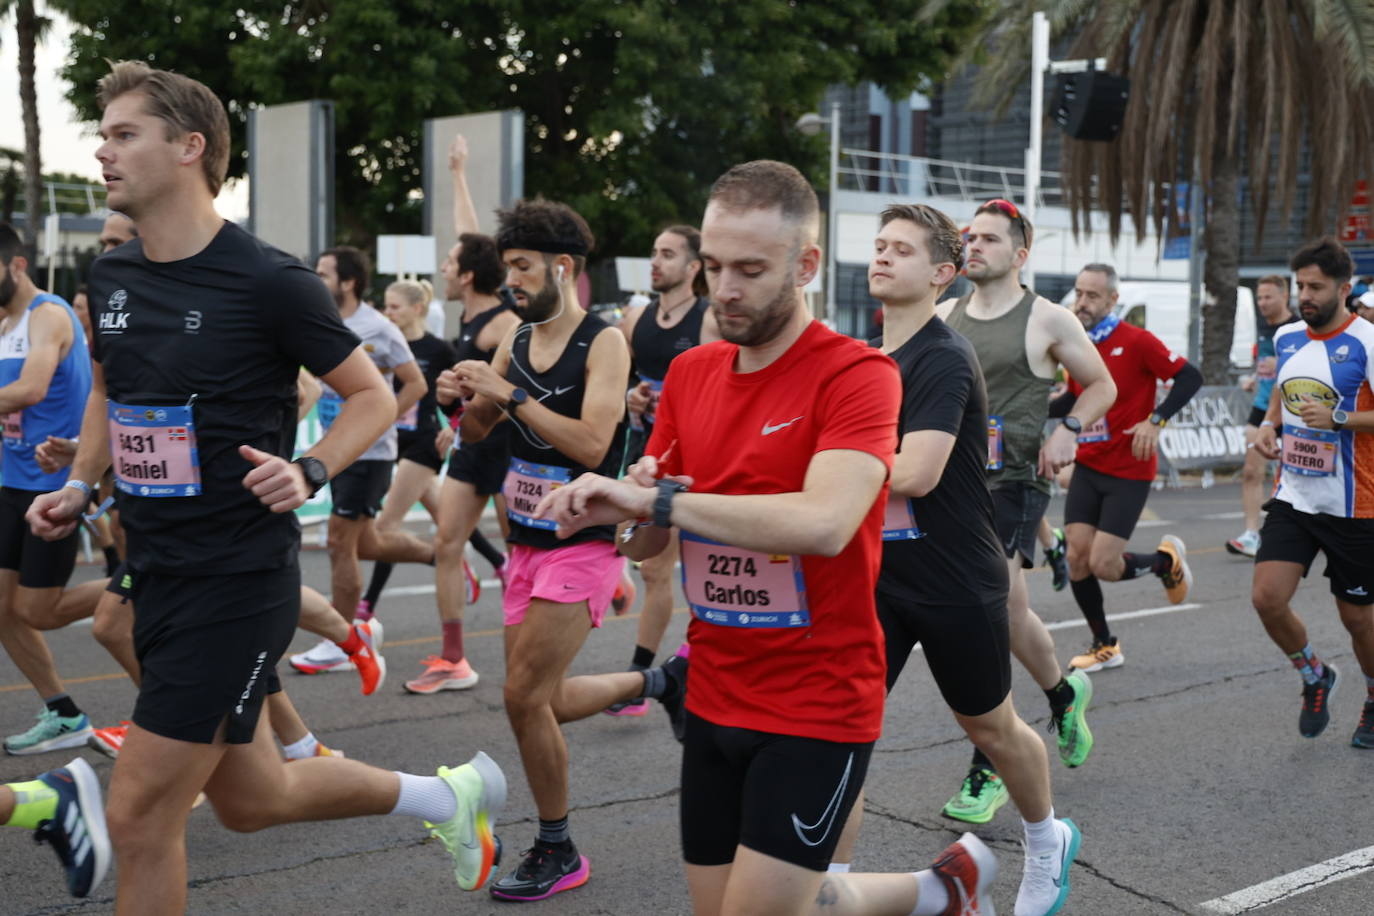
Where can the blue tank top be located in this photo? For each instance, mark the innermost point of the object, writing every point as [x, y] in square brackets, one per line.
[58, 414]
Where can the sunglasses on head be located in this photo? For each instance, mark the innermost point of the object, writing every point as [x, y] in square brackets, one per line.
[1010, 211]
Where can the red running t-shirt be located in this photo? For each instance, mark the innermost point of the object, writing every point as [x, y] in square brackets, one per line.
[1137, 360]
[755, 433]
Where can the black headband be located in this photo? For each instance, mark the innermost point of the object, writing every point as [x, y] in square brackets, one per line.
[533, 241]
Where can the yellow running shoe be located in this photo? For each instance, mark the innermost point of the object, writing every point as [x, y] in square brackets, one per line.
[1101, 655]
[479, 788]
[1178, 578]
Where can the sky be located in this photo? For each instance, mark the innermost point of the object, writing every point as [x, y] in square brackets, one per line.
[66, 144]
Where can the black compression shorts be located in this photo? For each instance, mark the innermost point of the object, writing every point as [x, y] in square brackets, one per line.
[1110, 504]
[482, 464]
[40, 563]
[968, 650]
[358, 490]
[418, 446]
[780, 795]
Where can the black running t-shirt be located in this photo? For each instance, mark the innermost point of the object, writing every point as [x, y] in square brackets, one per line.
[224, 331]
[433, 356]
[958, 561]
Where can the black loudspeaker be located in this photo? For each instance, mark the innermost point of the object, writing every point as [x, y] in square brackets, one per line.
[1091, 105]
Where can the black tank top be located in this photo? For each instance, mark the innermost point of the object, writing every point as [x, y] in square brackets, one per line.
[560, 389]
[655, 347]
[465, 344]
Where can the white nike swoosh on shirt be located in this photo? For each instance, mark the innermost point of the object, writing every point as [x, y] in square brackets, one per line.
[769, 430]
[564, 390]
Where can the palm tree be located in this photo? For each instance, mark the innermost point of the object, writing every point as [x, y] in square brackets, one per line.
[29, 28]
[1231, 86]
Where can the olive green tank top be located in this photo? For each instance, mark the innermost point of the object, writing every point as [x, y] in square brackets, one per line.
[1018, 399]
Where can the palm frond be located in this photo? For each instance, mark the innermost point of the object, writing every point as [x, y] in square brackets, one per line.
[1348, 24]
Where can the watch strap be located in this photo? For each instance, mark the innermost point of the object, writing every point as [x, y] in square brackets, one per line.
[663, 502]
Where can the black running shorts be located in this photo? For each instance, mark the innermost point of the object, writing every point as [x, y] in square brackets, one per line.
[968, 650]
[121, 582]
[40, 563]
[482, 464]
[1110, 504]
[358, 490]
[780, 795]
[417, 445]
[1018, 508]
[1296, 537]
[208, 647]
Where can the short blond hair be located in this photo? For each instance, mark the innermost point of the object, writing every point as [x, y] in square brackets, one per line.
[416, 292]
[182, 104]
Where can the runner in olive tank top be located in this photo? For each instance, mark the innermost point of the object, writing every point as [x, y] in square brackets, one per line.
[1021, 339]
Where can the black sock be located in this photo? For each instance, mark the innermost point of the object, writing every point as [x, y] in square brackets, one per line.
[479, 542]
[981, 760]
[655, 683]
[555, 832]
[1088, 593]
[1145, 564]
[1060, 695]
[381, 572]
[111, 560]
[63, 706]
[643, 658]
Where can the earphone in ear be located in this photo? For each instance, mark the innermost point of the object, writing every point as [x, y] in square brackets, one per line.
[560, 273]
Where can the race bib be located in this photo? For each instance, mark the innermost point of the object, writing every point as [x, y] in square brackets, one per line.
[1310, 452]
[994, 443]
[732, 587]
[327, 409]
[154, 450]
[899, 524]
[410, 420]
[1098, 432]
[14, 427]
[526, 484]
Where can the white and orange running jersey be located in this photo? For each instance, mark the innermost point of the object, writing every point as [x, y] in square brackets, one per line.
[1326, 471]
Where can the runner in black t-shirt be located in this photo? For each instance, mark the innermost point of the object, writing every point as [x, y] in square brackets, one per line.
[200, 330]
[418, 460]
[558, 379]
[944, 582]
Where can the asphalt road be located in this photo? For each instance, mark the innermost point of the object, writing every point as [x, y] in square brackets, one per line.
[1199, 787]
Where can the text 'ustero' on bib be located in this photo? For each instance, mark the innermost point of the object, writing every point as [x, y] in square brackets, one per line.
[153, 449]
[733, 587]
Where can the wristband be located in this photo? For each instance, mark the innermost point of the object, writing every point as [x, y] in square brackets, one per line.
[663, 502]
[1268, 423]
[79, 485]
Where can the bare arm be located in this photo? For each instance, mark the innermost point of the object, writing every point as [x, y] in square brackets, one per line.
[413, 387]
[627, 323]
[50, 339]
[308, 391]
[481, 414]
[840, 488]
[918, 467]
[1073, 349]
[369, 408]
[464, 213]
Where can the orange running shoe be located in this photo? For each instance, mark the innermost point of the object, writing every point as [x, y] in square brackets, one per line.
[109, 740]
[1178, 578]
[442, 674]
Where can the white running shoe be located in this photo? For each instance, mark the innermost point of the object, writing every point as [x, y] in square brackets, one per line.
[1045, 880]
[326, 656]
[1246, 544]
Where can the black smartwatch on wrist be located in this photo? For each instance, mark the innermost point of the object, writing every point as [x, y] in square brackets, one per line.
[316, 474]
[517, 397]
[1339, 418]
[1157, 420]
[1073, 425]
[663, 502]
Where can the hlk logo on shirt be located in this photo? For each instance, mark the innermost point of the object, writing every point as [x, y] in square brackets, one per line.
[116, 320]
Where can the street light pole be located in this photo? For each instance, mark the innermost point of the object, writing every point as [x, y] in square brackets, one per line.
[1040, 62]
[832, 217]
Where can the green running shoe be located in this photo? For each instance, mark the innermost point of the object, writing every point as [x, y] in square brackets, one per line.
[1075, 738]
[51, 733]
[978, 799]
[479, 787]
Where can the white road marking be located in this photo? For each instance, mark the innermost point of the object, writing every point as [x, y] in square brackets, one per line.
[1124, 615]
[1267, 893]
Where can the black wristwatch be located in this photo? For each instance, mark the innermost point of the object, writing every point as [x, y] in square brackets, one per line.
[1157, 420]
[1339, 418]
[1073, 424]
[316, 474]
[663, 502]
[517, 397]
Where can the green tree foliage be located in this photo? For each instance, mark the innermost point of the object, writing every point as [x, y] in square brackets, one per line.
[633, 108]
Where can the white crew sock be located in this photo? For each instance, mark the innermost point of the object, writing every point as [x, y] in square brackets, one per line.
[932, 897]
[1041, 837]
[425, 797]
[838, 868]
[303, 748]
